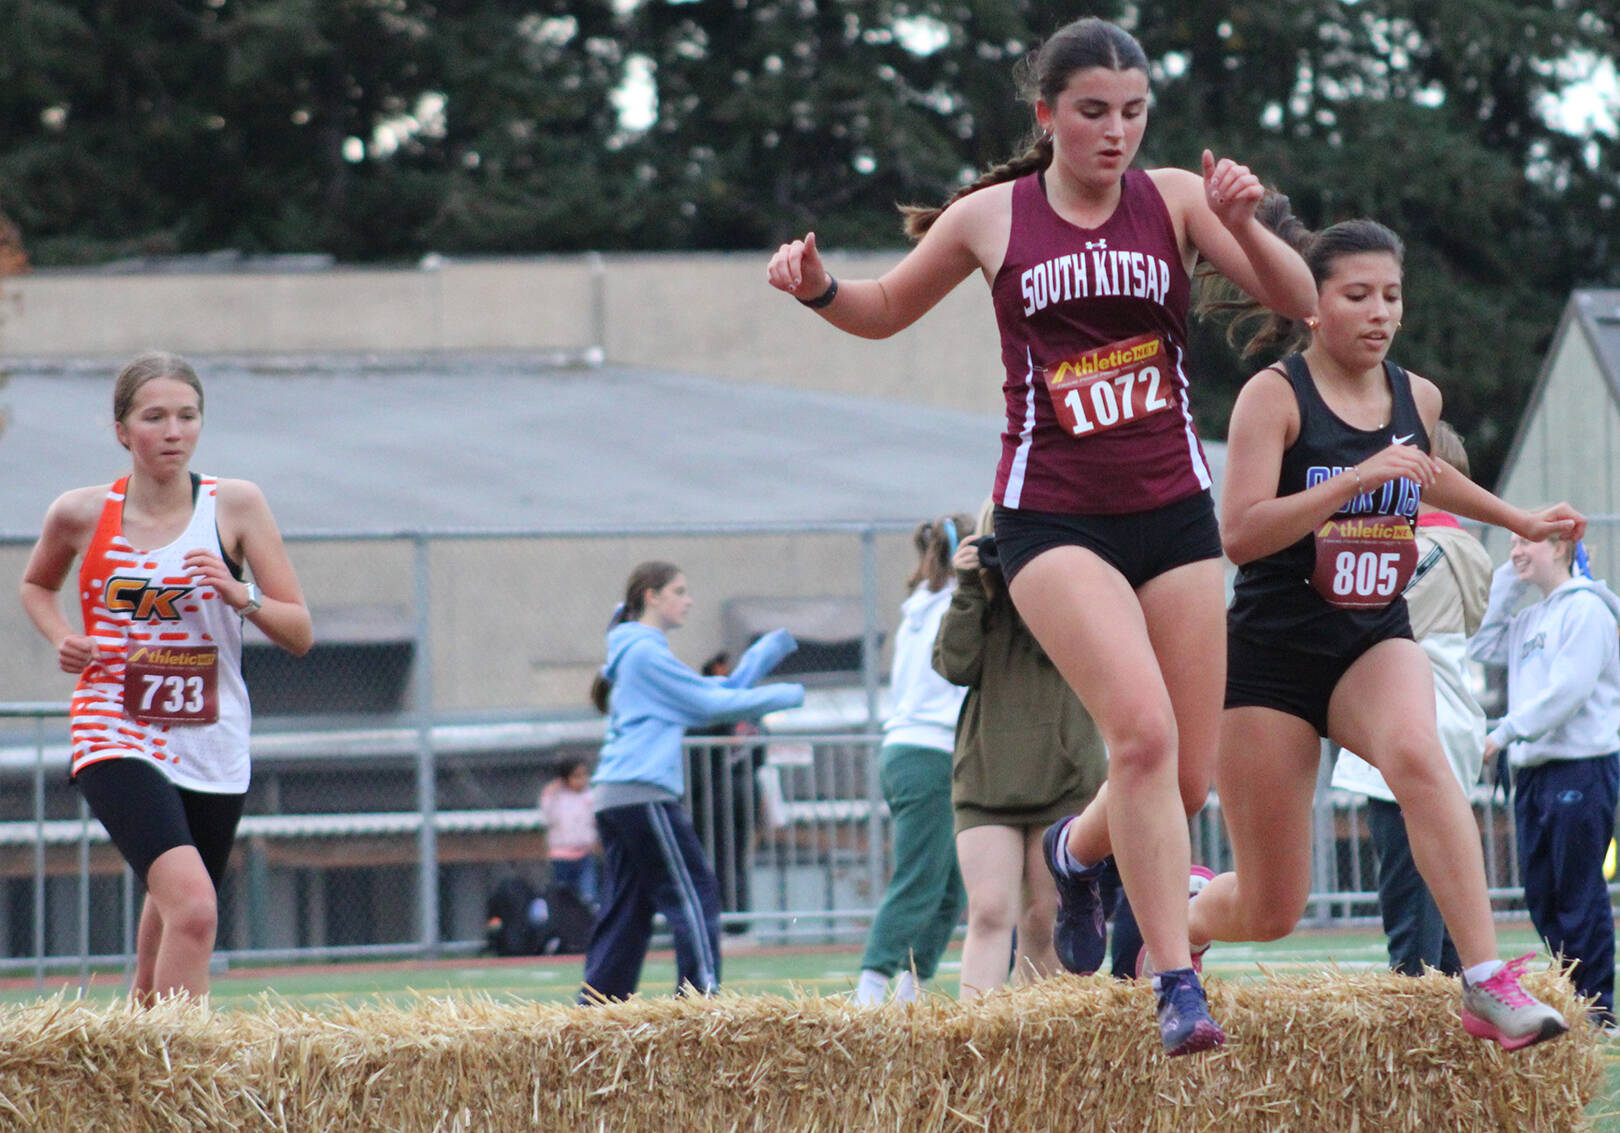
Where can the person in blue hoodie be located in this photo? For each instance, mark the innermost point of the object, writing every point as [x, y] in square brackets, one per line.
[925, 897]
[1561, 736]
[653, 859]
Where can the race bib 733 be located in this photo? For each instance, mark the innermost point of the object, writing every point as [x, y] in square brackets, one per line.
[172, 684]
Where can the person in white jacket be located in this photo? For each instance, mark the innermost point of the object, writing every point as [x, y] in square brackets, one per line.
[1561, 736]
[925, 897]
[1446, 601]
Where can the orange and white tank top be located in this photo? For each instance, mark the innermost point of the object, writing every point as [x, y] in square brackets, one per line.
[166, 684]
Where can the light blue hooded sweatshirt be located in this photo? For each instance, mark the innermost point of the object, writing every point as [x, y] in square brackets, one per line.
[656, 698]
[1563, 661]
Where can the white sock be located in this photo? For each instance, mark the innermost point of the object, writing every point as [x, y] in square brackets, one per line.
[871, 988]
[905, 988]
[1479, 973]
[1067, 863]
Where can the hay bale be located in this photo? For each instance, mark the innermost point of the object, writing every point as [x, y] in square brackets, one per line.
[1326, 1051]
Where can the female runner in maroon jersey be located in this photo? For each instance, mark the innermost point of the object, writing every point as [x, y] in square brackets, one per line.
[1104, 521]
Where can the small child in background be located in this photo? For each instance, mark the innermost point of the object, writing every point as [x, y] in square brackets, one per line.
[571, 840]
[1027, 754]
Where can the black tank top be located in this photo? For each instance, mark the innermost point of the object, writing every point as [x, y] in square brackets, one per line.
[1274, 599]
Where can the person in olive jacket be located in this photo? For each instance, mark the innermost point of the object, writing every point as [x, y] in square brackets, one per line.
[1026, 754]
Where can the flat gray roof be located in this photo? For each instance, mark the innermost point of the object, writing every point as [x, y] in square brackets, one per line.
[370, 444]
[366, 444]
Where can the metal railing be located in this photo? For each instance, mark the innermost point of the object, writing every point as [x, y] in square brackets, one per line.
[377, 833]
[795, 825]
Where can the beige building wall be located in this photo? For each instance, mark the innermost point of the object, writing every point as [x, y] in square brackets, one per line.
[519, 622]
[716, 315]
[1570, 450]
[530, 632]
[704, 314]
[495, 305]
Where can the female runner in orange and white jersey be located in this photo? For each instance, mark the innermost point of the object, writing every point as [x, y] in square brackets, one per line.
[159, 719]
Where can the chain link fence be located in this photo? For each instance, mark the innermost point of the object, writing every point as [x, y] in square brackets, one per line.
[397, 768]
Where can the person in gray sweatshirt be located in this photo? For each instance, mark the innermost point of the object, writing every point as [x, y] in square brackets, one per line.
[1561, 737]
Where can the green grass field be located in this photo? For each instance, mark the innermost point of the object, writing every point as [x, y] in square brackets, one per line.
[749, 968]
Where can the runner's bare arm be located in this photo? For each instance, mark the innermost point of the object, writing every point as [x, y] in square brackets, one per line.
[1456, 493]
[959, 242]
[1242, 249]
[69, 524]
[249, 531]
[1459, 495]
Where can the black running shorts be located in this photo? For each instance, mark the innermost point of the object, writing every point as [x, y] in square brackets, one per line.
[1141, 545]
[1300, 683]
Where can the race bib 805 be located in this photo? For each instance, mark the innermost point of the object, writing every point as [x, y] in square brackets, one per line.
[1111, 386]
[1364, 563]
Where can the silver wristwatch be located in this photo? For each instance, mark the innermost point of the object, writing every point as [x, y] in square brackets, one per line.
[252, 605]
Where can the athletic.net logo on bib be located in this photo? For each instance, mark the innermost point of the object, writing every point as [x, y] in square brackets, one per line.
[1364, 564]
[1110, 386]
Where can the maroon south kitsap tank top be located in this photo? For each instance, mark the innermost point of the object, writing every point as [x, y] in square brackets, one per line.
[1094, 342]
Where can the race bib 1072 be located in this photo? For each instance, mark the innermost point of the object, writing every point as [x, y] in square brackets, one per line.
[1111, 386]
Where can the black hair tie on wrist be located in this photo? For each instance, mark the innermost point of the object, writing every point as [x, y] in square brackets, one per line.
[826, 297]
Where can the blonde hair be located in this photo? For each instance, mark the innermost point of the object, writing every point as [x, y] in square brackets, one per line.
[146, 367]
[1447, 445]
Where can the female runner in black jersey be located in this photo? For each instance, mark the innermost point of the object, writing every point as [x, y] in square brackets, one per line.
[1327, 457]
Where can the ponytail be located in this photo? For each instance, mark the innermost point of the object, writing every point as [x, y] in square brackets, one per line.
[653, 575]
[918, 219]
[601, 687]
[1219, 297]
[936, 544]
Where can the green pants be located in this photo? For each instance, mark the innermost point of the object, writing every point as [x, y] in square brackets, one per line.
[925, 897]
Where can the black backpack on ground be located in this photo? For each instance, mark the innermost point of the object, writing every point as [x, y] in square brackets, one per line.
[565, 922]
[506, 913]
[523, 922]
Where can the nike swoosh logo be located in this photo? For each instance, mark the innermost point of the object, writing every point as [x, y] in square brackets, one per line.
[1394, 440]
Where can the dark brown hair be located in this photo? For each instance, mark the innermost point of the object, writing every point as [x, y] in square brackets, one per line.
[1219, 297]
[653, 575]
[1043, 74]
[935, 546]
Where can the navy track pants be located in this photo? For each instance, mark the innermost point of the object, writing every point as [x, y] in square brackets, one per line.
[1564, 810]
[654, 863]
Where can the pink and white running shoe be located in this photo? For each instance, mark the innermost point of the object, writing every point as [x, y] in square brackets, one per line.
[1499, 1008]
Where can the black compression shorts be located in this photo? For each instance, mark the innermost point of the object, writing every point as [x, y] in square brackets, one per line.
[146, 815]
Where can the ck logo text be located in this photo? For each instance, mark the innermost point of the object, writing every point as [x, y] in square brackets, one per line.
[144, 602]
